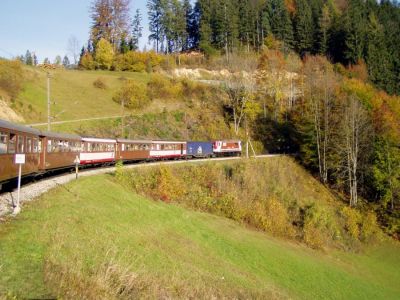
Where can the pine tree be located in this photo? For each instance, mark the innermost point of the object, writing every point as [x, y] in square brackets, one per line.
[204, 8]
[136, 30]
[187, 8]
[303, 27]
[66, 62]
[155, 14]
[28, 58]
[124, 46]
[377, 56]
[355, 23]
[281, 24]
[35, 59]
[324, 25]
[194, 33]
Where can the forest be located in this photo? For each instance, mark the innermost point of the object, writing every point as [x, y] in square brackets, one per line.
[345, 31]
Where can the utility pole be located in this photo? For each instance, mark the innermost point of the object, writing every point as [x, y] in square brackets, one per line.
[122, 117]
[48, 101]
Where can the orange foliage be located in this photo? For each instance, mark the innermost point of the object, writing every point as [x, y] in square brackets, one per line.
[291, 6]
[359, 70]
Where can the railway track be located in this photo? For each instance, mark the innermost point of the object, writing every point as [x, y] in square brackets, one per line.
[32, 190]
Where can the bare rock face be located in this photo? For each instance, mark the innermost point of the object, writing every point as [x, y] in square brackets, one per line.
[8, 114]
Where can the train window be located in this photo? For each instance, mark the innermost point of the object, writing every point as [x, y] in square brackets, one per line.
[11, 143]
[20, 147]
[28, 145]
[35, 145]
[49, 145]
[3, 142]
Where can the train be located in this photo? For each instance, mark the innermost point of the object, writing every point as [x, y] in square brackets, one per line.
[49, 151]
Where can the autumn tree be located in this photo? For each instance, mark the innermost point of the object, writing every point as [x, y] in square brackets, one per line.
[110, 21]
[104, 55]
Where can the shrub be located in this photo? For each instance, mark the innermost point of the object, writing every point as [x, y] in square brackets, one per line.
[369, 227]
[318, 226]
[87, 62]
[352, 220]
[99, 83]
[132, 94]
[160, 86]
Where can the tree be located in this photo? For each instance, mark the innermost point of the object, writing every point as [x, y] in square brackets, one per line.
[281, 24]
[352, 143]
[377, 56]
[303, 27]
[87, 62]
[136, 30]
[58, 60]
[320, 86]
[155, 14]
[104, 54]
[355, 26]
[240, 92]
[73, 48]
[46, 61]
[35, 59]
[110, 21]
[132, 95]
[66, 62]
[28, 58]
[324, 24]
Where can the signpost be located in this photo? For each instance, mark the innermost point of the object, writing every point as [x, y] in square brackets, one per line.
[19, 159]
[76, 162]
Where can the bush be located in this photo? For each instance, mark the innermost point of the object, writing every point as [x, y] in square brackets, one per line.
[319, 228]
[272, 216]
[160, 86]
[99, 83]
[133, 95]
[87, 62]
[352, 220]
[11, 76]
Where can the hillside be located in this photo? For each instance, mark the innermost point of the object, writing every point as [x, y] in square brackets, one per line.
[176, 107]
[97, 239]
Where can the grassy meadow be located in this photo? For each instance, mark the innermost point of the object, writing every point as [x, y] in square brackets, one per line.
[73, 94]
[95, 238]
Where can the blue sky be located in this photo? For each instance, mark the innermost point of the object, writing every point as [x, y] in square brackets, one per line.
[44, 26]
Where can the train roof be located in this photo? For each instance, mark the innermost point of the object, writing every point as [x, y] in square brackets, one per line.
[168, 142]
[57, 135]
[134, 141]
[17, 127]
[98, 140]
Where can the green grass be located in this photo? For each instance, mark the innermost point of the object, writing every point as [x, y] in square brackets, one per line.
[74, 233]
[72, 93]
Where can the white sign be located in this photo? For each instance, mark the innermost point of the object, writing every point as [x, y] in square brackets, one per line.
[20, 159]
[77, 160]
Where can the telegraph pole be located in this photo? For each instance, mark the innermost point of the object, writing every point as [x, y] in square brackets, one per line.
[122, 117]
[48, 102]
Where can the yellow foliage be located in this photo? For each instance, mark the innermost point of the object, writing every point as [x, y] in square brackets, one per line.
[352, 221]
[104, 54]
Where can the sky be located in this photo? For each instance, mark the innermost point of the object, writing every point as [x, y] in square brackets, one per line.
[44, 26]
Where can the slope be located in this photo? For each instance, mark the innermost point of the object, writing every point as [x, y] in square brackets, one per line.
[93, 238]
